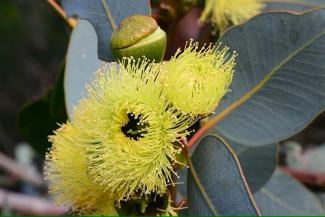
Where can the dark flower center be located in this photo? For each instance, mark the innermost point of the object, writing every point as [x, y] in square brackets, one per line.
[134, 129]
[149, 205]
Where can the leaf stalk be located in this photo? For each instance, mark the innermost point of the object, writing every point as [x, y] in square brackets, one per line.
[108, 14]
[71, 21]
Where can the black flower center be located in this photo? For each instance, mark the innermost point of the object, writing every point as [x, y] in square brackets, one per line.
[149, 205]
[134, 128]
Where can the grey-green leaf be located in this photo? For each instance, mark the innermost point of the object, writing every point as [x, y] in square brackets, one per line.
[258, 164]
[290, 5]
[315, 3]
[217, 185]
[81, 62]
[93, 11]
[285, 196]
[279, 82]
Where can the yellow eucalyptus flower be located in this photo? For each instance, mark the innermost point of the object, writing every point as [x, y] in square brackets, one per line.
[123, 140]
[196, 79]
[223, 13]
[133, 128]
[67, 172]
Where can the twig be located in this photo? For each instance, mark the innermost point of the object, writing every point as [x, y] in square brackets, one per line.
[71, 21]
[21, 171]
[29, 205]
[108, 14]
[306, 177]
[181, 205]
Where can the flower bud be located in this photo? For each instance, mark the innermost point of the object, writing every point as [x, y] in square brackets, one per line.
[139, 36]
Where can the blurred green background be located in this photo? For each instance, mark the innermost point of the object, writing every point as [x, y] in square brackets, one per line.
[33, 42]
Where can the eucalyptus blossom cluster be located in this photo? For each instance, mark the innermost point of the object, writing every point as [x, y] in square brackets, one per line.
[123, 142]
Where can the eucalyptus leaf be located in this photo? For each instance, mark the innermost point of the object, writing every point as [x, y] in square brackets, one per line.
[82, 62]
[258, 163]
[37, 119]
[93, 11]
[35, 124]
[317, 3]
[57, 104]
[321, 197]
[215, 182]
[290, 5]
[285, 196]
[279, 81]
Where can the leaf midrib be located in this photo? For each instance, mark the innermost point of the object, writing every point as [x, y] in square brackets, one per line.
[277, 200]
[280, 202]
[200, 187]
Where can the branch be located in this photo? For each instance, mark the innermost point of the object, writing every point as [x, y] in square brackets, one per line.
[306, 177]
[29, 205]
[20, 171]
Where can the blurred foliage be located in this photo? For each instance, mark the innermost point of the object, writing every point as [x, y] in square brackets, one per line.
[33, 42]
[39, 118]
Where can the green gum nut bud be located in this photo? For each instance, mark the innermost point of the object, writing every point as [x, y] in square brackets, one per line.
[139, 36]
